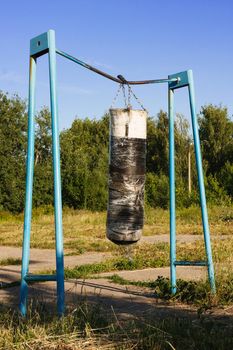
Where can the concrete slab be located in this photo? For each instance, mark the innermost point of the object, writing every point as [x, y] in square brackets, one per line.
[189, 273]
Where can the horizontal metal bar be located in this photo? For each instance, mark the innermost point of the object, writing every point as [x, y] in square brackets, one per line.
[111, 77]
[190, 263]
[40, 278]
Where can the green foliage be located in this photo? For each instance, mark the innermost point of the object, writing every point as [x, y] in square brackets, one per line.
[216, 130]
[183, 198]
[157, 190]
[197, 292]
[43, 183]
[215, 193]
[84, 159]
[12, 152]
[157, 144]
[226, 178]
[190, 292]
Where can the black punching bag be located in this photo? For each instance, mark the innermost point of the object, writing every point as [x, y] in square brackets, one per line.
[127, 167]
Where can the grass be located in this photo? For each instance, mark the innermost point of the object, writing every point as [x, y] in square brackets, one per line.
[157, 255]
[95, 327]
[141, 257]
[91, 326]
[85, 231]
[190, 292]
[10, 261]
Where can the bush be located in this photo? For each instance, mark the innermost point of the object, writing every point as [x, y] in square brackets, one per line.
[157, 190]
[216, 194]
[226, 178]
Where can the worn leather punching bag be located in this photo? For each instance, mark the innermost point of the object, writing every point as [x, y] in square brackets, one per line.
[127, 167]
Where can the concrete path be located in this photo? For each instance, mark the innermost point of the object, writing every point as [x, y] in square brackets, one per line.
[166, 238]
[193, 273]
[44, 259]
[180, 238]
[124, 301]
[120, 302]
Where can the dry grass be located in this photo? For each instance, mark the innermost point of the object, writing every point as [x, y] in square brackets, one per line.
[85, 230]
[92, 327]
[87, 326]
[10, 261]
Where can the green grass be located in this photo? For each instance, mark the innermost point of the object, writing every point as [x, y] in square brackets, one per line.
[144, 256]
[190, 292]
[156, 255]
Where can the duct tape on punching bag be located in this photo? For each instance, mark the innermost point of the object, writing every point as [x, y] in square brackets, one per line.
[127, 167]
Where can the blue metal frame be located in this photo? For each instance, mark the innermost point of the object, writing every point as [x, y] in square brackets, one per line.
[39, 46]
[185, 79]
[172, 190]
[45, 44]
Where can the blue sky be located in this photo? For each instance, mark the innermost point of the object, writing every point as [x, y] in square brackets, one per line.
[140, 39]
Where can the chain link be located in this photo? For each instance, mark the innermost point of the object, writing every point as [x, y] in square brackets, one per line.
[124, 95]
[136, 98]
[127, 101]
[116, 96]
[129, 96]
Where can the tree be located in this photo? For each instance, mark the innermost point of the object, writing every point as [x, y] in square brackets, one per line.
[216, 134]
[84, 160]
[43, 179]
[182, 144]
[157, 144]
[12, 152]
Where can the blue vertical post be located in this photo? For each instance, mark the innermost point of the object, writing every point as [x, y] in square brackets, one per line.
[201, 182]
[56, 174]
[172, 190]
[29, 187]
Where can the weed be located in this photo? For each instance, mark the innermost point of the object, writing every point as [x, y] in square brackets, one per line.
[190, 292]
[10, 261]
[94, 327]
[144, 256]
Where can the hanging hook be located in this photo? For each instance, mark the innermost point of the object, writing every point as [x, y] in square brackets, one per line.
[125, 82]
[130, 92]
[122, 79]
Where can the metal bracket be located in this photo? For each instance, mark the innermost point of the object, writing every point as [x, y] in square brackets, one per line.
[182, 80]
[39, 45]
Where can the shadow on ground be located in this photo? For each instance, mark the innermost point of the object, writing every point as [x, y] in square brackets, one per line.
[124, 301]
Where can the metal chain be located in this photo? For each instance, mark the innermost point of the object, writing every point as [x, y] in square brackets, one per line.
[136, 98]
[127, 100]
[116, 96]
[129, 97]
[124, 95]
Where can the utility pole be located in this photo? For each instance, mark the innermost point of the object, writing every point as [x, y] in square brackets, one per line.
[189, 169]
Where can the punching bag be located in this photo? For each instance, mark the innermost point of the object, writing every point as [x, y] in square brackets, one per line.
[127, 166]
